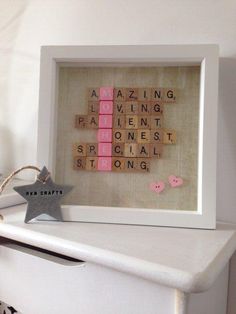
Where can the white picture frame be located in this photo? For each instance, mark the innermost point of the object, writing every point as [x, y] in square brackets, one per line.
[52, 57]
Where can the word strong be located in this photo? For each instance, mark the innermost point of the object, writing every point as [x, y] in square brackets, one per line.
[130, 129]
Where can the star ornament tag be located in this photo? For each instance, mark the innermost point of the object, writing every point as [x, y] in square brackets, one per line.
[43, 196]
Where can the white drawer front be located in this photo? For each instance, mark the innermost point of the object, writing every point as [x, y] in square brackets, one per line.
[38, 283]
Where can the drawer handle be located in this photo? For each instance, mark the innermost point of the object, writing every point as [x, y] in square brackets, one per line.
[41, 253]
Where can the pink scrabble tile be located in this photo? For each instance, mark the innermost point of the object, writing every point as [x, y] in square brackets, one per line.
[106, 107]
[104, 135]
[105, 121]
[104, 149]
[106, 93]
[104, 163]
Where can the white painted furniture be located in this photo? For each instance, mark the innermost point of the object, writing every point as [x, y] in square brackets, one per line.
[117, 268]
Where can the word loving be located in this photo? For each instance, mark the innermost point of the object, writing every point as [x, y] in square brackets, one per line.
[129, 124]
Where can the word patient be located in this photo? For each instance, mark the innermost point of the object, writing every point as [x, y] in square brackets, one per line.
[129, 126]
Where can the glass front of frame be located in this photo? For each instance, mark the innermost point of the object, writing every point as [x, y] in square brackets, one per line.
[144, 170]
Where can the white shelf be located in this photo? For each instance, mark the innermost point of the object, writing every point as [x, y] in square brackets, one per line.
[186, 259]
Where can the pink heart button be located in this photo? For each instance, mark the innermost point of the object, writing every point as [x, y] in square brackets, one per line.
[157, 187]
[175, 181]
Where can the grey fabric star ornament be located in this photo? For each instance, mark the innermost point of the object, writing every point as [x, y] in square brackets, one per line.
[43, 196]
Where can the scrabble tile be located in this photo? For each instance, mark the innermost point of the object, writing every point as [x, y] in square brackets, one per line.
[105, 121]
[143, 136]
[91, 163]
[143, 164]
[143, 150]
[104, 135]
[119, 94]
[130, 136]
[144, 122]
[106, 107]
[169, 137]
[131, 107]
[118, 149]
[130, 165]
[170, 95]
[119, 121]
[119, 108]
[131, 121]
[104, 163]
[81, 121]
[144, 107]
[106, 93]
[131, 93]
[130, 149]
[93, 93]
[79, 149]
[118, 136]
[104, 149]
[156, 136]
[156, 150]
[156, 122]
[144, 94]
[118, 164]
[93, 107]
[92, 121]
[92, 149]
[156, 108]
[156, 94]
[79, 163]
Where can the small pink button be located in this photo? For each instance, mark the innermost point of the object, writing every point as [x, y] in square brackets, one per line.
[104, 135]
[104, 163]
[105, 121]
[104, 149]
[106, 93]
[106, 107]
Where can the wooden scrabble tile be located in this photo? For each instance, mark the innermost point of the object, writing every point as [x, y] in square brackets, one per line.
[93, 107]
[92, 149]
[130, 164]
[156, 122]
[169, 137]
[118, 149]
[92, 121]
[144, 107]
[143, 150]
[118, 136]
[130, 136]
[119, 121]
[156, 150]
[81, 121]
[104, 135]
[130, 149]
[131, 94]
[104, 163]
[131, 121]
[143, 164]
[170, 95]
[144, 122]
[79, 149]
[93, 93]
[119, 108]
[119, 94]
[118, 164]
[106, 107]
[106, 93]
[143, 136]
[156, 108]
[144, 94]
[79, 163]
[104, 149]
[91, 163]
[156, 94]
[131, 107]
[156, 136]
[105, 121]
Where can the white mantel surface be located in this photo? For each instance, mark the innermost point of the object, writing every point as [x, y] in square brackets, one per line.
[186, 259]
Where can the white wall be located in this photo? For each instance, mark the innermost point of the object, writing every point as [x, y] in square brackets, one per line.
[25, 25]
